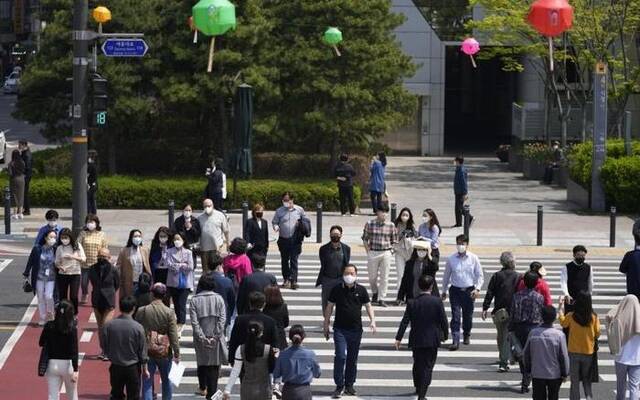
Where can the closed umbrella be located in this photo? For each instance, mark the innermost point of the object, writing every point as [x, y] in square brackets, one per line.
[243, 131]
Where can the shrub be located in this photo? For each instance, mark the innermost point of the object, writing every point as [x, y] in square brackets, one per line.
[52, 162]
[536, 151]
[155, 193]
[579, 157]
[621, 180]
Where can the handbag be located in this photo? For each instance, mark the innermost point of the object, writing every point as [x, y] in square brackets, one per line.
[26, 286]
[43, 362]
[182, 280]
[594, 374]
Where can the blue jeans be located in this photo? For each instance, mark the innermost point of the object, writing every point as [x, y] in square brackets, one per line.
[461, 305]
[164, 365]
[347, 343]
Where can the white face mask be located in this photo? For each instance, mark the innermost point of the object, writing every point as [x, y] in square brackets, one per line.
[51, 241]
[404, 218]
[52, 223]
[349, 279]
[91, 226]
[137, 240]
[208, 210]
[422, 253]
[286, 204]
[461, 248]
[426, 219]
[178, 243]
[65, 241]
[163, 239]
[187, 214]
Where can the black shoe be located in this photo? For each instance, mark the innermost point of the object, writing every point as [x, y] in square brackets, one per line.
[471, 221]
[382, 303]
[466, 340]
[374, 298]
[294, 285]
[26, 212]
[350, 391]
[454, 347]
[524, 389]
[456, 226]
[337, 393]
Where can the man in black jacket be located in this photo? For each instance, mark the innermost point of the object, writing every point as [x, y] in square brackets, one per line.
[429, 327]
[255, 282]
[344, 174]
[25, 153]
[334, 256]
[241, 326]
[630, 265]
[215, 179]
[502, 286]
[92, 182]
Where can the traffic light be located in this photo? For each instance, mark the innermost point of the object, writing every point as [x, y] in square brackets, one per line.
[99, 100]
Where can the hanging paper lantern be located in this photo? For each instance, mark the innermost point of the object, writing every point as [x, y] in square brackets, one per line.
[192, 26]
[332, 36]
[213, 18]
[551, 18]
[470, 46]
[101, 15]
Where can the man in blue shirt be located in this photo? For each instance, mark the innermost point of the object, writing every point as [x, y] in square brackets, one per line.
[52, 224]
[463, 279]
[285, 222]
[460, 190]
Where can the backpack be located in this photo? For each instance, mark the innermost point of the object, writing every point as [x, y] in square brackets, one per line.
[157, 344]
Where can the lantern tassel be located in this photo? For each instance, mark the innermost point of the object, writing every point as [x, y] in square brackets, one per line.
[550, 53]
[337, 51]
[211, 50]
[473, 61]
[195, 36]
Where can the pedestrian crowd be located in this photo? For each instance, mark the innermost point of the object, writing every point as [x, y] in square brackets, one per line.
[238, 315]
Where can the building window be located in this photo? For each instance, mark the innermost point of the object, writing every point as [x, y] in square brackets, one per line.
[446, 17]
[5, 9]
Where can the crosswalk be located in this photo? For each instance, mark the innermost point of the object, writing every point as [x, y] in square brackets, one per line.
[384, 372]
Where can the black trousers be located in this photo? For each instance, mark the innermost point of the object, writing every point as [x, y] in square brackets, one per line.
[290, 250]
[218, 201]
[376, 200]
[546, 389]
[125, 377]
[346, 200]
[179, 298]
[68, 286]
[208, 378]
[26, 201]
[459, 208]
[92, 205]
[424, 359]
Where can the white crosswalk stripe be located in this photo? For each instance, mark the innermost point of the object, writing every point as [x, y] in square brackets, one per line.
[385, 373]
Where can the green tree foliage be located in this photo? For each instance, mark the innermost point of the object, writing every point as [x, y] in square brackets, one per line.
[166, 114]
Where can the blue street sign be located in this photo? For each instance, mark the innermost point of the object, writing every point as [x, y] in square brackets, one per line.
[117, 47]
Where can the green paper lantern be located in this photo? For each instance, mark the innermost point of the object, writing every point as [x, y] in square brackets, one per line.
[214, 17]
[332, 36]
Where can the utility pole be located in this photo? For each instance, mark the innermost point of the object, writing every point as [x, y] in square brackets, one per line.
[81, 38]
[599, 136]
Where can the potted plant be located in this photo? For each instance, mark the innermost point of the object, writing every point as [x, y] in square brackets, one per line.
[535, 158]
[503, 152]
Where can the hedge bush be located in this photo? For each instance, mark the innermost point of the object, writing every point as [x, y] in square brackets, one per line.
[580, 158]
[621, 180]
[155, 193]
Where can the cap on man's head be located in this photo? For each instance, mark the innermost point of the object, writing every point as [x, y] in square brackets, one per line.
[159, 289]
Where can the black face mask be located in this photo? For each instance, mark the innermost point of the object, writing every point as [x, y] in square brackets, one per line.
[335, 239]
[579, 260]
[258, 215]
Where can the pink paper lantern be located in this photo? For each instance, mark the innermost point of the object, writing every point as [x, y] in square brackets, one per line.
[470, 46]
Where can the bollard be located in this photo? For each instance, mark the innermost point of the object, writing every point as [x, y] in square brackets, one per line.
[319, 222]
[245, 214]
[7, 211]
[467, 219]
[540, 217]
[394, 212]
[172, 210]
[612, 227]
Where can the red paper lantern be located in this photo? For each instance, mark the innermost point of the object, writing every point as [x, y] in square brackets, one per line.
[551, 18]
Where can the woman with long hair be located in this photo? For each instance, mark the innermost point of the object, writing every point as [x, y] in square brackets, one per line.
[161, 242]
[256, 359]
[623, 331]
[406, 234]
[296, 367]
[277, 309]
[430, 230]
[180, 277]
[92, 238]
[41, 271]
[60, 340]
[16, 169]
[69, 259]
[419, 264]
[256, 233]
[133, 260]
[584, 330]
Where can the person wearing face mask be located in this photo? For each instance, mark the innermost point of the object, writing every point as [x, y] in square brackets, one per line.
[105, 282]
[189, 226]
[344, 174]
[420, 263]
[92, 182]
[347, 298]
[214, 233]
[69, 259]
[376, 181]
[554, 164]
[256, 233]
[430, 230]
[463, 279]
[52, 224]
[160, 244]
[132, 261]
[460, 190]
[180, 277]
[334, 256]
[41, 270]
[92, 239]
[379, 237]
[285, 222]
[576, 277]
[215, 184]
[403, 249]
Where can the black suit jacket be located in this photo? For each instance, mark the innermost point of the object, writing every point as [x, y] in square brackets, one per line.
[325, 260]
[240, 331]
[255, 282]
[428, 322]
[258, 236]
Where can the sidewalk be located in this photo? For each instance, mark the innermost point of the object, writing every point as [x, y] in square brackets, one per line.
[503, 203]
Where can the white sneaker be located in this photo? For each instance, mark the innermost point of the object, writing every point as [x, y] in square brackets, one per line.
[20, 216]
[41, 323]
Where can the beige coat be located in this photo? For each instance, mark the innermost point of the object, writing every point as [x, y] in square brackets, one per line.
[125, 269]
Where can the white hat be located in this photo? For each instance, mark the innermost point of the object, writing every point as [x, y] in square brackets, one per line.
[421, 244]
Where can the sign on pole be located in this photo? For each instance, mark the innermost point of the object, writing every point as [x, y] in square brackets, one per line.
[599, 136]
[128, 47]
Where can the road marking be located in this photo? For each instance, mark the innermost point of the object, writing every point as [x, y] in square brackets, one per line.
[15, 336]
[5, 263]
[86, 336]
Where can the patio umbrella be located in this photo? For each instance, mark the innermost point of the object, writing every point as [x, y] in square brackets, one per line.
[243, 131]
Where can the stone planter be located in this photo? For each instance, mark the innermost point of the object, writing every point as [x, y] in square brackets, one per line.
[578, 195]
[533, 170]
[561, 176]
[515, 160]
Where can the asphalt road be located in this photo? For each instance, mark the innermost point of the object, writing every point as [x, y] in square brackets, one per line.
[13, 301]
